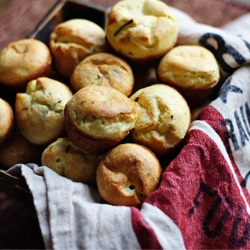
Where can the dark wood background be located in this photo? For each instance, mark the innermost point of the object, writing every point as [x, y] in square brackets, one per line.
[18, 18]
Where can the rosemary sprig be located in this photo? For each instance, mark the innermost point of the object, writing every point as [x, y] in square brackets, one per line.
[123, 26]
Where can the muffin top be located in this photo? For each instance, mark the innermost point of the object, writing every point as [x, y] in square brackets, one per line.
[65, 158]
[103, 69]
[73, 40]
[39, 111]
[24, 60]
[127, 174]
[189, 67]
[101, 112]
[142, 29]
[163, 118]
[6, 120]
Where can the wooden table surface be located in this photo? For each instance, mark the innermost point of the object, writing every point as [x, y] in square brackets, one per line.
[18, 18]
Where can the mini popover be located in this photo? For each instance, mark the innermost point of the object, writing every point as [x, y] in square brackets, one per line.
[73, 40]
[99, 117]
[141, 30]
[6, 120]
[22, 61]
[39, 111]
[163, 118]
[103, 69]
[192, 69]
[69, 161]
[127, 174]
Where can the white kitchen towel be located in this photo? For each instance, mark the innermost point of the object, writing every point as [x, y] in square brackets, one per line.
[203, 199]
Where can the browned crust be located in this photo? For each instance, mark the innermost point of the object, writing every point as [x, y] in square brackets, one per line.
[98, 117]
[10, 72]
[127, 174]
[6, 121]
[87, 143]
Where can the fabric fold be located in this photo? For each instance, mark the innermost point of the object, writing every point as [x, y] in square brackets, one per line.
[203, 199]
